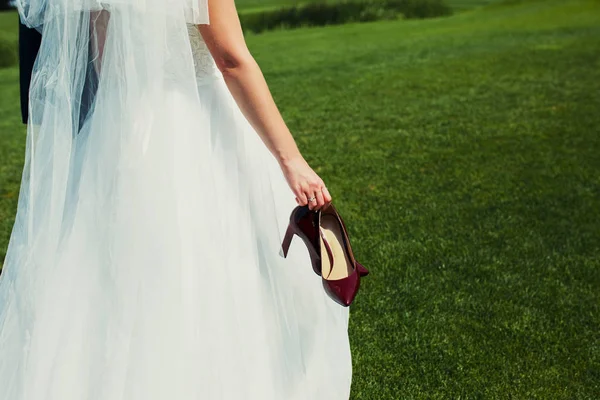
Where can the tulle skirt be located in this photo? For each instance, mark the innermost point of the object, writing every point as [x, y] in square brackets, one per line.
[166, 279]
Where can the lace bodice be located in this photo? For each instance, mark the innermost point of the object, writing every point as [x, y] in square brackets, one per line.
[203, 61]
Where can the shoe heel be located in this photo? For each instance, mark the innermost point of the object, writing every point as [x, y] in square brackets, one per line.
[287, 240]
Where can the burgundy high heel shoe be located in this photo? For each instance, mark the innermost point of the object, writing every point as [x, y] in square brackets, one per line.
[324, 232]
[304, 223]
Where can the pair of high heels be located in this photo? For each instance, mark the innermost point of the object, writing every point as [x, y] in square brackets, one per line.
[324, 232]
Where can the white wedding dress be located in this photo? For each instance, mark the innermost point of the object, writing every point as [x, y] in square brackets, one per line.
[144, 262]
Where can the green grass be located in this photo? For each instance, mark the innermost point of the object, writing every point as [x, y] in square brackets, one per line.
[250, 6]
[8, 24]
[463, 153]
[460, 5]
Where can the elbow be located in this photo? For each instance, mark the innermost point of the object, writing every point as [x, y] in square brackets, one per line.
[232, 64]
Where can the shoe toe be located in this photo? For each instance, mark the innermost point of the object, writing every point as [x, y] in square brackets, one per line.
[343, 291]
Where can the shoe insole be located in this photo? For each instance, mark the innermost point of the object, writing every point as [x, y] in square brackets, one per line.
[342, 266]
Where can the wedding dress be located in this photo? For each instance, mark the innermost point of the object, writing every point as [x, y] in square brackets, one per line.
[144, 262]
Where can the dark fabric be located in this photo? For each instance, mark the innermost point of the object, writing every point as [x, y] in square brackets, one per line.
[29, 45]
[90, 88]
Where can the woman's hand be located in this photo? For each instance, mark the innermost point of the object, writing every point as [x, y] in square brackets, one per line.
[305, 183]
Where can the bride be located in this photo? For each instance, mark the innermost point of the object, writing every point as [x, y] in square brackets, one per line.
[159, 177]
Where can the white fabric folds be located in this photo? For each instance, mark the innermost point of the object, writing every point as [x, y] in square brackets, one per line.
[144, 259]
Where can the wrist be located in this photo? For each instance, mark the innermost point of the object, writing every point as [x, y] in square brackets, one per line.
[286, 158]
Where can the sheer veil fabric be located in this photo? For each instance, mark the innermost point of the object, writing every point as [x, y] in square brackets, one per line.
[144, 259]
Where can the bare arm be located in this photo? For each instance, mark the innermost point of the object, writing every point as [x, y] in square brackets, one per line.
[246, 83]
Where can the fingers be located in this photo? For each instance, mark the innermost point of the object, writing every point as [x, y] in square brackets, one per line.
[319, 200]
[326, 196]
[321, 197]
[301, 197]
[312, 193]
[312, 200]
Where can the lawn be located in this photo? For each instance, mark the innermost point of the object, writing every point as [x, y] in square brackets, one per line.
[463, 153]
[259, 5]
[8, 25]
